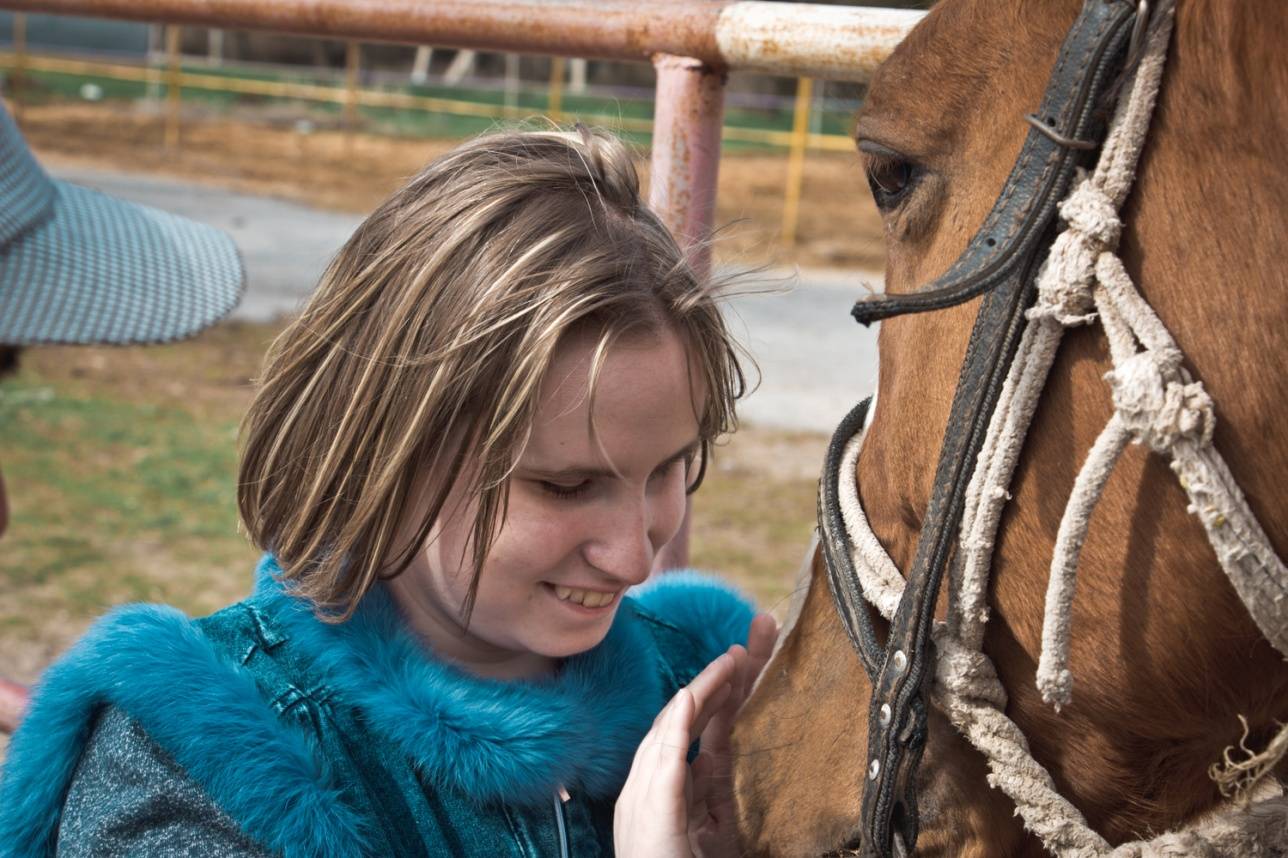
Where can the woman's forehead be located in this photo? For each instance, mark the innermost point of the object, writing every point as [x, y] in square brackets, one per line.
[639, 400]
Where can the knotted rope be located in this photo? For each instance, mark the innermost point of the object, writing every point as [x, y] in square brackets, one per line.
[1156, 403]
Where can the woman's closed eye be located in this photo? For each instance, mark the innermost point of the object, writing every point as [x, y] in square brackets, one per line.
[575, 484]
[564, 491]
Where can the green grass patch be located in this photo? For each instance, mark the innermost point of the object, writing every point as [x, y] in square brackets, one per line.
[107, 495]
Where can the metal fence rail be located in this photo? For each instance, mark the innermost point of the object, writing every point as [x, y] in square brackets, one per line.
[712, 36]
[795, 39]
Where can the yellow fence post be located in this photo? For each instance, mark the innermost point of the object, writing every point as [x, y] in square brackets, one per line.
[554, 101]
[18, 79]
[352, 63]
[170, 74]
[796, 161]
[174, 80]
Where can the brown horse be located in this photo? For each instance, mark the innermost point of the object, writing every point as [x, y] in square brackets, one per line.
[1164, 656]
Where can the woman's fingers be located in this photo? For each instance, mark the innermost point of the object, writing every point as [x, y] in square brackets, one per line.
[663, 800]
[661, 756]
[711, 808]
[667, 781]
[715, 730]
[673, 732]
[711, 689]
[701, 768]
[719, 673]
[652, 815]
[748, 663]
[761, 638]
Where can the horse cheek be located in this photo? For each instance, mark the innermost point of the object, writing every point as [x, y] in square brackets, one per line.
[800, 741]
[800, 747]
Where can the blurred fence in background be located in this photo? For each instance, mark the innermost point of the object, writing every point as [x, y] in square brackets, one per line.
[45, 57]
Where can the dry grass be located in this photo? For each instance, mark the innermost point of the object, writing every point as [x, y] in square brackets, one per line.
[839, 226]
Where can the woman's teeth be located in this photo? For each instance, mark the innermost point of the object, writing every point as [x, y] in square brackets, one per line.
[585, 598]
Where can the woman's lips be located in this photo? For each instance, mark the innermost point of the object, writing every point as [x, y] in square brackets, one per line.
[585, 598]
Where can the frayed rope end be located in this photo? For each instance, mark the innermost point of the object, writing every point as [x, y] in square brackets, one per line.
[1237, 779]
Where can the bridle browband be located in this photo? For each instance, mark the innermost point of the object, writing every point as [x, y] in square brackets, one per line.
[1000, 262]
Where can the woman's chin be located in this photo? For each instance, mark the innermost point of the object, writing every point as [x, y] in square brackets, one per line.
[568, 639]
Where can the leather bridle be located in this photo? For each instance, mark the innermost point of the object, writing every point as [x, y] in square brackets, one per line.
[1000, 262]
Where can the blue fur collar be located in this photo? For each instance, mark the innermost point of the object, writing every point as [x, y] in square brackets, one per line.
[515, 742]
[510, 741]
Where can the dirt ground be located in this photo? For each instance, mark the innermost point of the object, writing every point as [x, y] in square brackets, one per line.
[839, 226]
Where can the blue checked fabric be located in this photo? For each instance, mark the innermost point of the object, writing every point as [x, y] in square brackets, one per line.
[78, 266]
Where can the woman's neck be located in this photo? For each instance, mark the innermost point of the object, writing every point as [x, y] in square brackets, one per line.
[450, 641]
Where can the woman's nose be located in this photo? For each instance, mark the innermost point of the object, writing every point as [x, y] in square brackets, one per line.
[631, 537]
[622, 549]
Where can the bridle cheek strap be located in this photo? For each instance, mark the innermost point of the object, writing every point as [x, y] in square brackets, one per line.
[1000, 262]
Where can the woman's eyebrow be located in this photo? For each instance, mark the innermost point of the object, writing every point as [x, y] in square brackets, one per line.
[586, 472]
[689, 450]
[571, 472]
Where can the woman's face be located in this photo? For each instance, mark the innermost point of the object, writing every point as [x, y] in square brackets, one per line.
[587, 513]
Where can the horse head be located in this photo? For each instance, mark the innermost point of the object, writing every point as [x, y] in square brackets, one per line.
[1165, 657]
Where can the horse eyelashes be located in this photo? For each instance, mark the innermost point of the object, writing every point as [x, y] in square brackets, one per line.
[889, 178]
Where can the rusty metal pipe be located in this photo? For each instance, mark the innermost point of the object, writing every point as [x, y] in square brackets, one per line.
[836, 42]
[687, 124]
[13, 703]
[686, 152]
[796, 160]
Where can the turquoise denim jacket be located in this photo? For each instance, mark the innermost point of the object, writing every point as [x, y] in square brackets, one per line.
[321, 739]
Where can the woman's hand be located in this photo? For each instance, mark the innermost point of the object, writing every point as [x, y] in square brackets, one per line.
[669, 809]
[651, 818]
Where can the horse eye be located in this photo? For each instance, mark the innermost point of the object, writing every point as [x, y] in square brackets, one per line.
[889, 178]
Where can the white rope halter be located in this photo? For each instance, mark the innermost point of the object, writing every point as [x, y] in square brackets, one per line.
[1155, 403]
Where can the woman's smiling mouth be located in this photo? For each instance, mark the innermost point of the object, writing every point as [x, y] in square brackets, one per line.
[584, 598]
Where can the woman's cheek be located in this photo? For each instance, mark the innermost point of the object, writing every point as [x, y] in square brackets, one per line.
[539, 532]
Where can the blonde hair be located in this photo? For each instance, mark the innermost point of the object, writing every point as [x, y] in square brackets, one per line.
[427, 340]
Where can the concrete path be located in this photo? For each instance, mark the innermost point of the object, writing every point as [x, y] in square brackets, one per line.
[815, 361]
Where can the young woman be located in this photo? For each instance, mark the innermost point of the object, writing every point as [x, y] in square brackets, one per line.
[473, 442]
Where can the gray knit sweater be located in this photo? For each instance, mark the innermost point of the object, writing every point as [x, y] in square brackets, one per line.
[128, 797]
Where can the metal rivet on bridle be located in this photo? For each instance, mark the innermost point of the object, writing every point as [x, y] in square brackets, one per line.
[884, 715]
[874, 769]
[1137, 34]
[900, 660]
